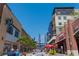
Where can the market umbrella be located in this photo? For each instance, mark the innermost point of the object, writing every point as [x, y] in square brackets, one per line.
[49, 46]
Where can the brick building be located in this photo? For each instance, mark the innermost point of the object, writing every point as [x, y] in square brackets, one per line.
[70, 40]
[10, 29]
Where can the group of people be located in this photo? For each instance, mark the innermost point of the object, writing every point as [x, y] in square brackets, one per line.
[16, 52]
[13, 52]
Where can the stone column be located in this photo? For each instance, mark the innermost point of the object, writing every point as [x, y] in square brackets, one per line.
[68, 50]
[74, 49]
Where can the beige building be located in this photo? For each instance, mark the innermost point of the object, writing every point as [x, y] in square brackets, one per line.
[61, 16]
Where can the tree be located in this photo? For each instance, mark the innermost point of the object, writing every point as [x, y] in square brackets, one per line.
[28, 42]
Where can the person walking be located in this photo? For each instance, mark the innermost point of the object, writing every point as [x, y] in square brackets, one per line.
[17, 53]
[23, 53]
[11, 52]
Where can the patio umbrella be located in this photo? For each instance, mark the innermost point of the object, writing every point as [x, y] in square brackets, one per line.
[49, 46]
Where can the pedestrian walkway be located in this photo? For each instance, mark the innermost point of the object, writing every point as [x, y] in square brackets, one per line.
[30, 54]
[37, 54]
[58, 54]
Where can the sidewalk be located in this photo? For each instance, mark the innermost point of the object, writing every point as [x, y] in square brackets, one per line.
[58, 54]
[29, 54]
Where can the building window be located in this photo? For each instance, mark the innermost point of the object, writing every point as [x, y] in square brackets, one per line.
[65, 18]
[59, 17]
[10, 29]
[16, 33]
[9, 25]
[54, 33]
[60, 29]
[60, 23]
[9, 21]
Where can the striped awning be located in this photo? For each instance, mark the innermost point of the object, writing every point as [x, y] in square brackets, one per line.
[61, 37]
[53, 38]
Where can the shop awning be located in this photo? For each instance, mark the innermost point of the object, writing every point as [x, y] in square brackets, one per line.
[61, 37]
[53, 38]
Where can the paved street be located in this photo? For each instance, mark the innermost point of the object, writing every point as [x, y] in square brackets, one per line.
[38, 53]
[60, 54]
[43, 54]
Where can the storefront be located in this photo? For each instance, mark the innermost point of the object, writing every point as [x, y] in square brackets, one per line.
[77, 39]
[61, 48]
[71, 40]
[76, 31]
[9, 45]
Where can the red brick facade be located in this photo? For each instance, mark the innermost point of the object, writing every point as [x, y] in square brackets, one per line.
[70, 40]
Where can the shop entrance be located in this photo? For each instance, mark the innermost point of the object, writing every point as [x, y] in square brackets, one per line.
[62, 47]
[7, 48]
[77, 39]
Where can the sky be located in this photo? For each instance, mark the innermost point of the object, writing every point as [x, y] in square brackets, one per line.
[35, 17]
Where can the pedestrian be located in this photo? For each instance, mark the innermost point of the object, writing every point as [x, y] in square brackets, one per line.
[62, 49]
[17, 52]
[23, 53]
[11, 52]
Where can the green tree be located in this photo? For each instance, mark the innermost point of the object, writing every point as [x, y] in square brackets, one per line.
[27, 41]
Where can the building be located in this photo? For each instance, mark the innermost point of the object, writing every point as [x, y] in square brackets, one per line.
[67, 40]
[10, 29]
[50, 31]
[75, 29]
[65, 28]
[60, 16]
[70, 39]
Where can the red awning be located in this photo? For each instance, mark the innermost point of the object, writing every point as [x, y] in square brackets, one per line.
[50, 46]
